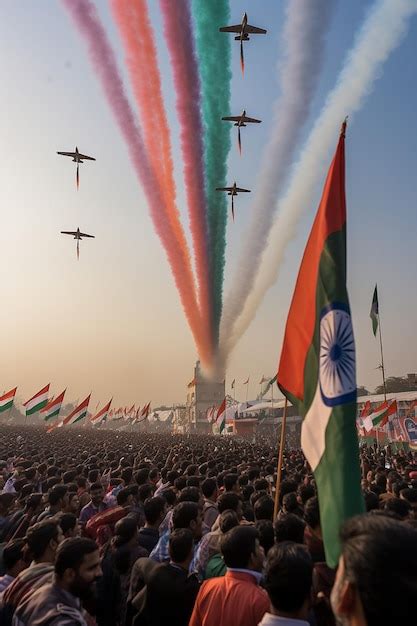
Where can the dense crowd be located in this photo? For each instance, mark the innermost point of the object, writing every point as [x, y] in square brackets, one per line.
[128, 529]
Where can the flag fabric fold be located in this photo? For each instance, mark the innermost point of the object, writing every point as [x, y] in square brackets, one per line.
[317, 369]
[79, 413]
[102, 415]
[374, 314]
[53, 408]
[379, 418]
[221, 417]
[37, 402]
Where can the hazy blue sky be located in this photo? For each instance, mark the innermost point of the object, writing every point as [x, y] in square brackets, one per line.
[113, 323]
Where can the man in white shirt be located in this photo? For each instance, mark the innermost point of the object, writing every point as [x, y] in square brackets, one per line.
[288, 580]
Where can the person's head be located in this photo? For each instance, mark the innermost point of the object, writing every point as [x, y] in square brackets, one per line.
[371, 501]
[232, 501]
[231, 483]
[410, 496]
[13, 557]
[288, 580]
[398, 486]
[190, 494]
[155, 510]
[96, 494]
[290, 527]
[69, 525]
[125, 497]
[125, 532]
[228, 520]
[304, 493]
[378, 565]
[42, 541]
[188, 515]
[312, 514]
[265, 529]
[240, 548]
[169, 496]
[261, 484]
[209, 488]
[73, 503]
[77, 566]
[401, 508]
[58, 497]
[154, 476]
[145, 491]
[264, 508]
[181, 543]
[6, 501]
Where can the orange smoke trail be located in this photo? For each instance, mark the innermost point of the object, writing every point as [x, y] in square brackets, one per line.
[136, 31]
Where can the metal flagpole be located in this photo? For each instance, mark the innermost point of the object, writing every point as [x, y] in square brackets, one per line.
[382, 356]
[280, 458]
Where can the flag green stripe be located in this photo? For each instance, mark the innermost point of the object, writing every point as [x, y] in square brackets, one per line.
[37, 407]
[50, 415]
[80, 417]
[7, 406]
[338, 479]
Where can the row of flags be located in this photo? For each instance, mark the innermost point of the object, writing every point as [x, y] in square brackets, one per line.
[49, 408]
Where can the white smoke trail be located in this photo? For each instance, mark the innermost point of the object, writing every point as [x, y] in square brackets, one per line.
[303, 37]
[380, 34]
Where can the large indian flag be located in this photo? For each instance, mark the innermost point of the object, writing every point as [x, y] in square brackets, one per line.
[53, 408]
[37, 402]
[7, 399]
[317, 370]
[78, 413]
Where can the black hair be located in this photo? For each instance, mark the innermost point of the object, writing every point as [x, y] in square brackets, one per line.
[180, 483]
[145, 491]
[312, 512]
[264, 508]
[229, 481]
[228, 500]
[38, 537]
[290, 527]
[56, 494]
[96, 487]
[71, 553]
[409, 494]
[153, 508]
[265, 529]
[228, 520]
[184, 513]
[180, 544]
[189, 494]
[371, 501]
[261, 484]
[288, 576]
[401, 507]
[238, 545]
[170, 496]
[208, 487]
[193, 481]
[123, 496]
[306, 492]
[67, 521]
[13, 553]
[372, 544]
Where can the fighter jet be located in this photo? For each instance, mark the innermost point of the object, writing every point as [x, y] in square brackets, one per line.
[243, 31]
[240, 121]
[77, 158]
[233, 191]
[78, 235]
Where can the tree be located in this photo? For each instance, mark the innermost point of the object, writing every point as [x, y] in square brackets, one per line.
[362, 391]
[396, 384]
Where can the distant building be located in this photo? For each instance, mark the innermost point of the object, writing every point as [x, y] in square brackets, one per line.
[202, 394]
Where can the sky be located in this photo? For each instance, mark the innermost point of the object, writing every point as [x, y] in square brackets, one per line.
[112, 323]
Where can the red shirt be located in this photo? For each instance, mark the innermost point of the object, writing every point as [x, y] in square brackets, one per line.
[232, 600]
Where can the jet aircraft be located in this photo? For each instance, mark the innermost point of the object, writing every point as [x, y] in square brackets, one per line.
[243, 31]
[240, 121]
[78, 235]
[77, 158]
[233, 191]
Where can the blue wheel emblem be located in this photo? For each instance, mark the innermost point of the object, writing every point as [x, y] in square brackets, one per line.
[337, 369]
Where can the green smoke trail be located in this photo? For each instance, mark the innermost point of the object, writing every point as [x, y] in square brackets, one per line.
[214, 53]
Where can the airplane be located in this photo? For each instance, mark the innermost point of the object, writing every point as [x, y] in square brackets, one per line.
[243, 31]
[77, 158]
[78, 235]
[240, 121]
[233, 191]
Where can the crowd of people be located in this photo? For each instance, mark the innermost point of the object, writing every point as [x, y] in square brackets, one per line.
[129, 529]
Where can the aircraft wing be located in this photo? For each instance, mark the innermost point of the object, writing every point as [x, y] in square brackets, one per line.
[85, 235]
[68, 232]
[251, 120]
[224, 188]
[70, 154]
[238, 189]
[232, 118]
[231, 29]
[254, 30]
[84, 156]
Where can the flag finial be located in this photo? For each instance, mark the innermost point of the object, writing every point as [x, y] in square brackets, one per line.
[343, 128]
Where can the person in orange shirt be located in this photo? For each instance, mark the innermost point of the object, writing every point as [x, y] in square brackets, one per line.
[236, 598]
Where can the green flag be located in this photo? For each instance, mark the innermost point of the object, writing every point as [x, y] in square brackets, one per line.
[374, 314]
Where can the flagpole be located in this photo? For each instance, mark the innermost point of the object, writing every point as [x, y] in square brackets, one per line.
[280, 458]
[247, 389]
[382, 356]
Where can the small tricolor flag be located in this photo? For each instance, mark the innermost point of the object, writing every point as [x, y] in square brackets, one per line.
[246, 381]
[317, 370]
[101, 416]
[233, 384]
[374, 314]
[380, 417]
[7, 399]
[53, 408]
[37, 402]
[221, 416]
[78, 413]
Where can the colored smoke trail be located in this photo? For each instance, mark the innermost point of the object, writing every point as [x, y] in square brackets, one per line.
[382, 31]
[180, 40]
[214, 55]
[304, 33]
[84, 15]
